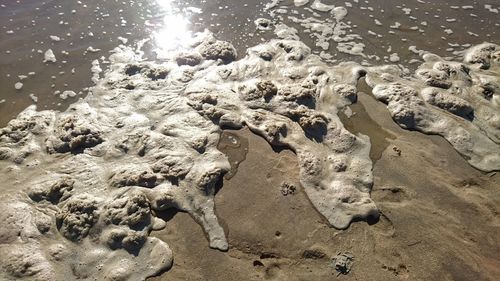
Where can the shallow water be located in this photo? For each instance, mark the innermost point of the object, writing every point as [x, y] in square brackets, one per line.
[235, 147]
[358, 121]
[26, 27]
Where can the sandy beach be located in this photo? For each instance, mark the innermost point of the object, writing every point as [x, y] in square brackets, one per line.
[249, 140]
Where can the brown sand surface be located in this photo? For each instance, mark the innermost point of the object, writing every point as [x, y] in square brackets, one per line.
[439, 217]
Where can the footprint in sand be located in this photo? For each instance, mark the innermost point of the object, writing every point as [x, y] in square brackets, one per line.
[274, 272]
[384, 226]
[391, 194]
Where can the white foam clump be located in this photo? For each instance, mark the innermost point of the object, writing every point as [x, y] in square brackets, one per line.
[96, 71]
[49, 56]
[65, 94]
[339, 13]
[123, 40]
[92, 49]
[272, 4]
[394, 57]
[416, 51]
[407, 11]
[299, 3]
[457, 100]
[55, 38]
[490, 8]
[322, 7]
[396, 25]
[18, 86]
[33, 98]
[81, 187]
[263, 24]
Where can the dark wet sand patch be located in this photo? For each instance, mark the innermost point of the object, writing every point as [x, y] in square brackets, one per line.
[235, 147]
[361, 122]
[441, 226]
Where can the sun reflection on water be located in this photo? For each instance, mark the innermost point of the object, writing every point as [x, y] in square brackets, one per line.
[174, 30]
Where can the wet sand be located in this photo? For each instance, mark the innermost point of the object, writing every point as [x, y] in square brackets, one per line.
[361, 122]
[439, 216]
